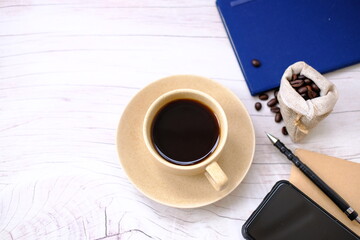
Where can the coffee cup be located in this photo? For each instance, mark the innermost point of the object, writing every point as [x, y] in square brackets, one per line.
[185, 131]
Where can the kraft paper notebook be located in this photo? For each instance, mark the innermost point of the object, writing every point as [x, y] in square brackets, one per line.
[324, 34]
[341, 175]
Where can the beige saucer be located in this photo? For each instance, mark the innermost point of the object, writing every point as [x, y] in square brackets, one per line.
[175, 190]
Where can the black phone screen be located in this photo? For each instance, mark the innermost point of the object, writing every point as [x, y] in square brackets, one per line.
[287, 213]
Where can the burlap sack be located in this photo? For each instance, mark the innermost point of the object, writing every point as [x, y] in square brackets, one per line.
[301, 115]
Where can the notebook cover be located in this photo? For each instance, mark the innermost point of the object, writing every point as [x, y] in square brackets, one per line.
[325, 34]
[341, 175]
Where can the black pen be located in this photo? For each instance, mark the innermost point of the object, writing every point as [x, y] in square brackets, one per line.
[336, 198]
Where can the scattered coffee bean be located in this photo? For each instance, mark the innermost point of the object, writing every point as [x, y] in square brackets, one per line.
[255, 63]
[275, 109]
[272, 102]
[263, 96]
[258, 106]
[284, 131]
[278, 117]
[297, 83]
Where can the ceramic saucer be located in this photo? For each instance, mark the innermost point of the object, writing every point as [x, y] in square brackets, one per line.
[175, 190]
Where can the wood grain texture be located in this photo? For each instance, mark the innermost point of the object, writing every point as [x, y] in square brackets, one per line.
[68, 70]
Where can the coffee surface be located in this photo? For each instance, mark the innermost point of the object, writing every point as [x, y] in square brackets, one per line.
[185, 132]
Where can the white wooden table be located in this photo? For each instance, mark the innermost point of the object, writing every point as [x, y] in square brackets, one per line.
[67, 71]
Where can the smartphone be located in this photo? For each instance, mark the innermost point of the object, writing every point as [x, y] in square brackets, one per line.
[286, 213]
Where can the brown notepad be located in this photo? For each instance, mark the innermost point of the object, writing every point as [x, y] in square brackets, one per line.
[341, 175]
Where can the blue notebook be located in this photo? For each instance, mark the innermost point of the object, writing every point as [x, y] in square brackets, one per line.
[323, 33]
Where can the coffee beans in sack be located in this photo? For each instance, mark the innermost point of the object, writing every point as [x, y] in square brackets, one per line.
[305, 97]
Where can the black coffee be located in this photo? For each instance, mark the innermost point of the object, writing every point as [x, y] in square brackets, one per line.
[185, 132]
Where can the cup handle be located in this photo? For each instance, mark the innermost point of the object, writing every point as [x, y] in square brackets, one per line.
[216, 176]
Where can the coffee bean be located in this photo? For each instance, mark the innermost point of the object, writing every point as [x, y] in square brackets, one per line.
[302, 90]
[312, 94]
[305, 96]
[272, 102]
[301, 77]
[294, 77]
[263, 96]
[275, 109]
[256, 63]
[307, 81]
[278, 117]
[315, 87]
[258, 106]
[284, 130]
[297, 83]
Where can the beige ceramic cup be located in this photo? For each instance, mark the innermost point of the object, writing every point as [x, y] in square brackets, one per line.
[209, 165]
